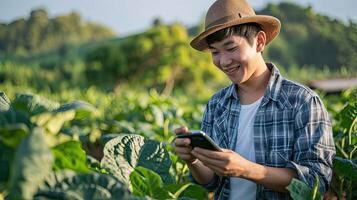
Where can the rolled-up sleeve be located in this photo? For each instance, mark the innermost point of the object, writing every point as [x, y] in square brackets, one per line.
[314, 148]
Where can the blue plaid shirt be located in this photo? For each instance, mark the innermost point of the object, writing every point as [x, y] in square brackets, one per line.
[292, 129]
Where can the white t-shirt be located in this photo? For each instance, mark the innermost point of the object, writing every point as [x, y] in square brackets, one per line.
[243, 188]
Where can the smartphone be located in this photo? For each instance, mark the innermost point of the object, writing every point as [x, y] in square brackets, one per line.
[201, 139]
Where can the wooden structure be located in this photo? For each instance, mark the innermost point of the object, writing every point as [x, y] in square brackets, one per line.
[333, 86]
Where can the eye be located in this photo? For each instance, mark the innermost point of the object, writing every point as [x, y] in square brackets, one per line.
[232, 49]
[214, 53]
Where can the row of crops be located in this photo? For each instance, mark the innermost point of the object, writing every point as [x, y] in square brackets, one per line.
[118, 147]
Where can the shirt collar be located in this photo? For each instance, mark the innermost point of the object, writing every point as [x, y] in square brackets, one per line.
[273, 90]
[232, 92]
[274, 84]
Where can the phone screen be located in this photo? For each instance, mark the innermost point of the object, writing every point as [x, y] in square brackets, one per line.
[202, 140]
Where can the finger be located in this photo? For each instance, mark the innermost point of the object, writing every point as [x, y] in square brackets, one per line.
[184, 153]
[209, 153]
[208, 160]
[219, 171]
[183, 150]
[216, 169]
[182, 142]
[186, 157]
[181, 130]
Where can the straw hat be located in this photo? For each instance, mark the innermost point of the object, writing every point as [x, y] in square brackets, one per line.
[226, 13]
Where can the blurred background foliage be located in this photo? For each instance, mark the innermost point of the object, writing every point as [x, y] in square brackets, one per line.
[65, 52]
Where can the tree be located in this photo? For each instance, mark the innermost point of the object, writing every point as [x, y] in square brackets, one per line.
[40, 33]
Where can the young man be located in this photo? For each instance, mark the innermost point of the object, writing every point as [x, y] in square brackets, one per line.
[270, 129]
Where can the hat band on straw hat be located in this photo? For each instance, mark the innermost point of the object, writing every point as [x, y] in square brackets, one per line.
[223, 20]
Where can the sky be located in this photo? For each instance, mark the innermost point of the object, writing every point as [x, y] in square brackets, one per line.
[130, 16]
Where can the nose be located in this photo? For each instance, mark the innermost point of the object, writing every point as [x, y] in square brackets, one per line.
[225, 60]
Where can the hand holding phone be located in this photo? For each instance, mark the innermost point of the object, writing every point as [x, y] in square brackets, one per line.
[200, 139]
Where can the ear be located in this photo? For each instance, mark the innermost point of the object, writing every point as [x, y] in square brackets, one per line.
[261, 39]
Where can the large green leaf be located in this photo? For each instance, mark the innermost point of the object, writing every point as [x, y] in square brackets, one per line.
[6, 158]
[4, 102]
[83, 109]
[145, 182]
[54, 120]
[14, 117]
[33, 104]
[70, 155]
[348, 116]
[345, 168]
[194, 192]
[124, 153]
[107, 137]
[33, 161]
[68, 185]
[8, 115]
[12, 134]
[300, 191]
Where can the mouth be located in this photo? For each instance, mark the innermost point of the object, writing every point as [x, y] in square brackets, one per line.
[231, 70]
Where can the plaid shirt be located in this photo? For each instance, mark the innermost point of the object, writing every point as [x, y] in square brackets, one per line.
[291, 130]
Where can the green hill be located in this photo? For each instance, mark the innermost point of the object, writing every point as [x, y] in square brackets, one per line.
[309, 38]
[39, 33]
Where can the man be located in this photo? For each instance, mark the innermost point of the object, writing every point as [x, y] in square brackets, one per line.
[270, 129]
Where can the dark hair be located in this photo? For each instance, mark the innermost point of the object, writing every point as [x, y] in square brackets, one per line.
[248, 31]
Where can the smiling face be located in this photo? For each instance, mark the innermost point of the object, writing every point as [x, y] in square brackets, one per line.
[236, 57]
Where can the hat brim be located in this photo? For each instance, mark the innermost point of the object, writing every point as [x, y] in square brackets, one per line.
[269, 24]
